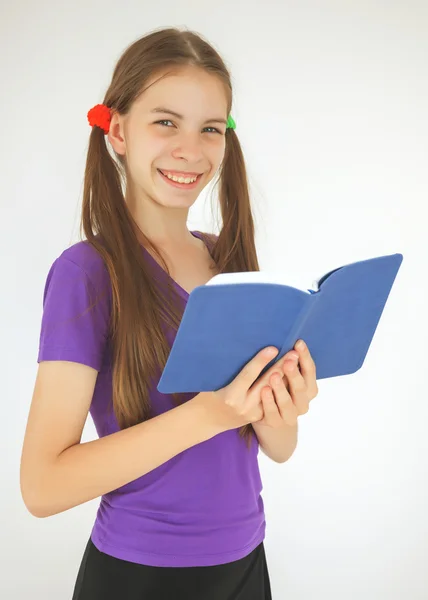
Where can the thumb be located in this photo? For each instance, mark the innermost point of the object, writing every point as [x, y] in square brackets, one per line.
[247, 376]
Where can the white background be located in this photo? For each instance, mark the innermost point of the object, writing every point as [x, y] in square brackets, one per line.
[331, 108]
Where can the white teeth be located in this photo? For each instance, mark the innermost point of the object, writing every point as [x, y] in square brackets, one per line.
[180, 179]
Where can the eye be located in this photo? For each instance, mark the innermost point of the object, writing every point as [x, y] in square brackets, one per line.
[214, 129]
[164, 121]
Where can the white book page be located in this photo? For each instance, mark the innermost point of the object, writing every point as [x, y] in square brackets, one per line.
[278, 277]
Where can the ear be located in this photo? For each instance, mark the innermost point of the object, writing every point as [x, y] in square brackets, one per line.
[116, 134]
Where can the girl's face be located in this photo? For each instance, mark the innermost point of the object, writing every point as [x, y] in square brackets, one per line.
[190, 142]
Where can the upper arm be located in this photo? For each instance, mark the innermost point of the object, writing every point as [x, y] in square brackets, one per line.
[73, 337]
[61, 399]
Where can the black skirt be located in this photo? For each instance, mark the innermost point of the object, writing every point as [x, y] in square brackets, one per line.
[104, 577]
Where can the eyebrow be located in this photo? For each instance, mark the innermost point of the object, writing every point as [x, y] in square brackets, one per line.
[161, 109]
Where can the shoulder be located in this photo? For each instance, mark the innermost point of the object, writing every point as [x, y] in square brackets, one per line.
[84, 256]
[79, 269]
[81, 260]
[76, 307]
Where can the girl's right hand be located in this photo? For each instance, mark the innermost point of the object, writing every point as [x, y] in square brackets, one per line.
[238, 403]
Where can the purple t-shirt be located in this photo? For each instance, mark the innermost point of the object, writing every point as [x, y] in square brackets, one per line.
[202, 507]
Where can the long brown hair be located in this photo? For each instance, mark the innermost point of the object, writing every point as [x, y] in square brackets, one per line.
[139, 346]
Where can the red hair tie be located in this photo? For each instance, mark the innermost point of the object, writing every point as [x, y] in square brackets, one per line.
[100, 116]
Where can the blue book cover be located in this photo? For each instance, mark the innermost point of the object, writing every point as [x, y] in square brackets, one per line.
[233, 316]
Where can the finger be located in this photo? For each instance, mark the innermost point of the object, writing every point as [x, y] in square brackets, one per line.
[254, 367]
[298, 389]
[275, 368]
[307, 367]
[272, 416]
[292, 356]
[284, 401]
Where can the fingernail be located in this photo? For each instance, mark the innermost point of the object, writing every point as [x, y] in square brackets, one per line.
[300, 345]
[293, 356]
[271, 352]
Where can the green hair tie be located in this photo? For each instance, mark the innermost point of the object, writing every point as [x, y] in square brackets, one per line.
[230, 123]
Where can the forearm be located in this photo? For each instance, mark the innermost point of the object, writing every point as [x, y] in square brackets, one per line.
[277, 443]
[88, 470]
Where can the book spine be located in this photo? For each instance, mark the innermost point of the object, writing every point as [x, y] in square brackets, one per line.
[292, 337]
[294, 333]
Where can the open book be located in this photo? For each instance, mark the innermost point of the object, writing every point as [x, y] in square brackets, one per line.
[234, 315]
[262, 277]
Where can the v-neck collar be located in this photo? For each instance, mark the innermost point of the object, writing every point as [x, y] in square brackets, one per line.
[183, 293]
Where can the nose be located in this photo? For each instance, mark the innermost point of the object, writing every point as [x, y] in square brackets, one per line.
[188, 146]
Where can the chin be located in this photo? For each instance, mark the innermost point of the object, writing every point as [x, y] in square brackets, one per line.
[167, 201]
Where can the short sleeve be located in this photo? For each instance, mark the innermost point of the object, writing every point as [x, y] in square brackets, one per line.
[75, 318]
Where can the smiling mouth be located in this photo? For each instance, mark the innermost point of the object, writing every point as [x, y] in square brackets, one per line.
[180, 184]
[181, 176]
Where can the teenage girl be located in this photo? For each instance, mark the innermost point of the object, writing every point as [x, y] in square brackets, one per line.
[181, 516]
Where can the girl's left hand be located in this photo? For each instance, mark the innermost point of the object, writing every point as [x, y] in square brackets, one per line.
[289, 391]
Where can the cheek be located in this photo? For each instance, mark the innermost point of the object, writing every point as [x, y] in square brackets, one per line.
[156, 144]
[146, 153]
[157, 151]
[215, 152]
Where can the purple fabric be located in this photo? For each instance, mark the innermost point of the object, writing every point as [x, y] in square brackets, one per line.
[202, 507]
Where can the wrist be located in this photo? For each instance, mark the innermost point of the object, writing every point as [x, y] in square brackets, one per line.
[277, 443]
[201, 408]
